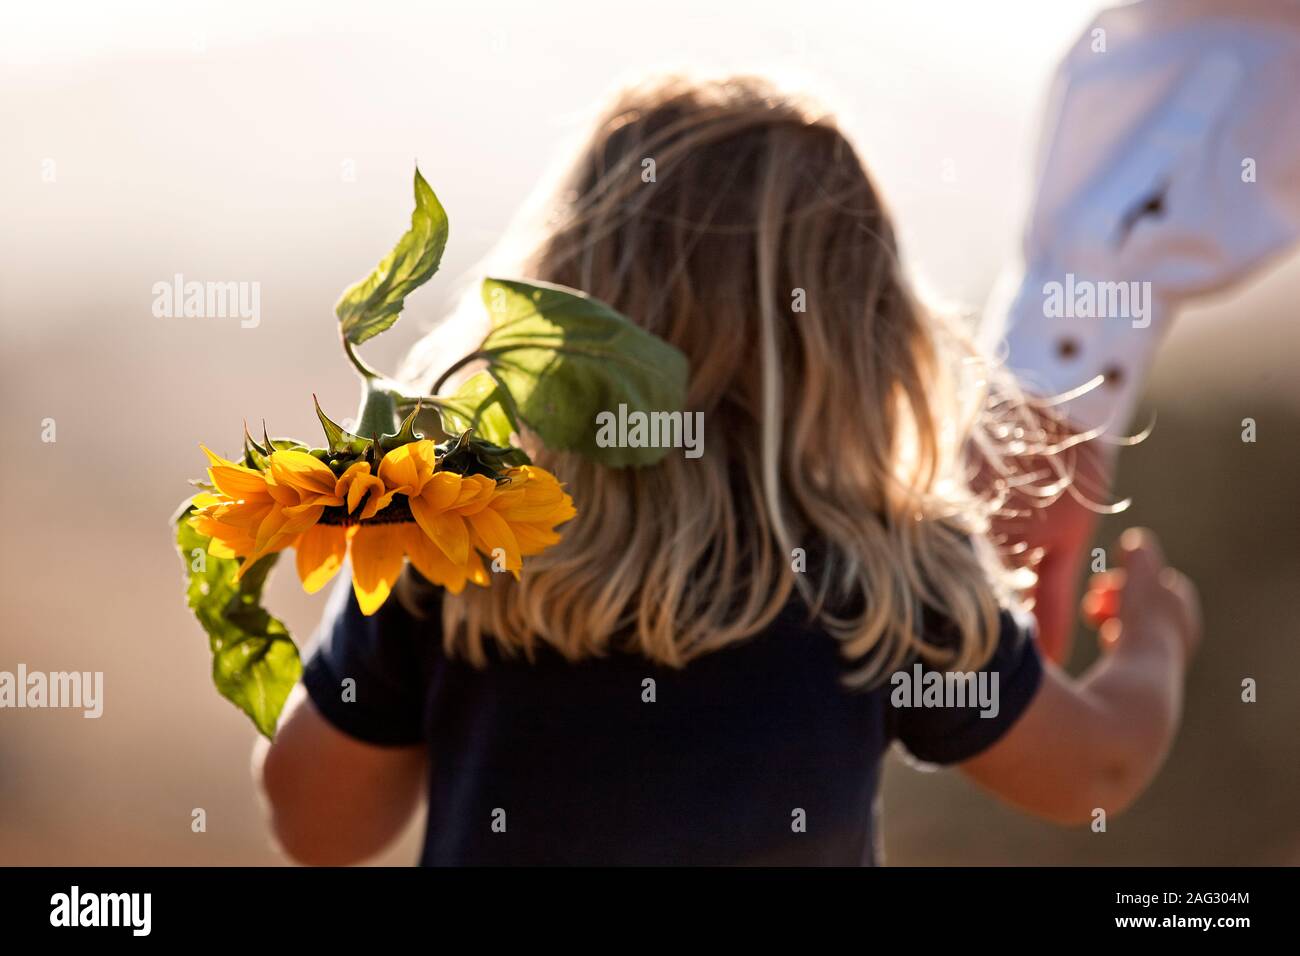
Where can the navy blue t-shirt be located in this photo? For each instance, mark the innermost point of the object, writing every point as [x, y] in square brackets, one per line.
[754, 754]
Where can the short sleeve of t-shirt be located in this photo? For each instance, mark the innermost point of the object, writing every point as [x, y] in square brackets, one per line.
[388, 656]
[945, 719]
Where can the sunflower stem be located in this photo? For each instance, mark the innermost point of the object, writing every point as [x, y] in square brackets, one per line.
[365, 371]
[455, 367]
[378, 414]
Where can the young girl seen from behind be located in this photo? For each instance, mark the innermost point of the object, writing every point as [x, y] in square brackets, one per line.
[711, 664]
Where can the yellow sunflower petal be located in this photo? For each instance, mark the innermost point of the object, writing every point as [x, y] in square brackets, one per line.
[408, 468]
[377, 559]
[534, 495]
[442, 490]
[357, 471]
[219, 549]
[429, 559]
[278, 543]
[247, 514]
[298, 523]
[399, 471]
[534, 538]
[477, 573]
[445, 528]
[237, 482]
[375, 504]
[476, 493]
[492, 534]
[364, 485]
[425, 452]
[552, 513]
[213, 457]
[320, 555]
[302, 471]
[270, 526]
[283, 494]
[223, 540]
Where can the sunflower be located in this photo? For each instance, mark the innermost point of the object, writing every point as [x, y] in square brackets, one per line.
[411, 509]
[458, 519]
[253, 513]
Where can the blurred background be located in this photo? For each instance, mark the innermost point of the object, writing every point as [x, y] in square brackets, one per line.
[264, 143]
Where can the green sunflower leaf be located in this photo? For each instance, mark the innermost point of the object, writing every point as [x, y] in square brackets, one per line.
[563, 357]
[373, 304]
[482, 405]
[254, 660]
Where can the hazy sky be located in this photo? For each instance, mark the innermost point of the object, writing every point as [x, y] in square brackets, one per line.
[167, 118]
[274, 142]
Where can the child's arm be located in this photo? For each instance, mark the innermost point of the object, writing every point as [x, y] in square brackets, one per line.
[1098, 741]
[332, 799]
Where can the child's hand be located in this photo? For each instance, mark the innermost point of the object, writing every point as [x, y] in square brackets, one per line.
[1145, 598]
[1097, 741]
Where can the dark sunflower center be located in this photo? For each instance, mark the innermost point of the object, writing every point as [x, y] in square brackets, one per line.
[398, 510]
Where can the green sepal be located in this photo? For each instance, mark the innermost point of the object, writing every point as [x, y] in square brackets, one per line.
[405, 434]
[468, 455]
[254, 454]
[338, 440]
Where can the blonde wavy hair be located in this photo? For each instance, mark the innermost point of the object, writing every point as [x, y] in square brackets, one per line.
[843, 422]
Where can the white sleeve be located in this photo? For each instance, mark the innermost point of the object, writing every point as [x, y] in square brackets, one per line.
[1169, 168]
